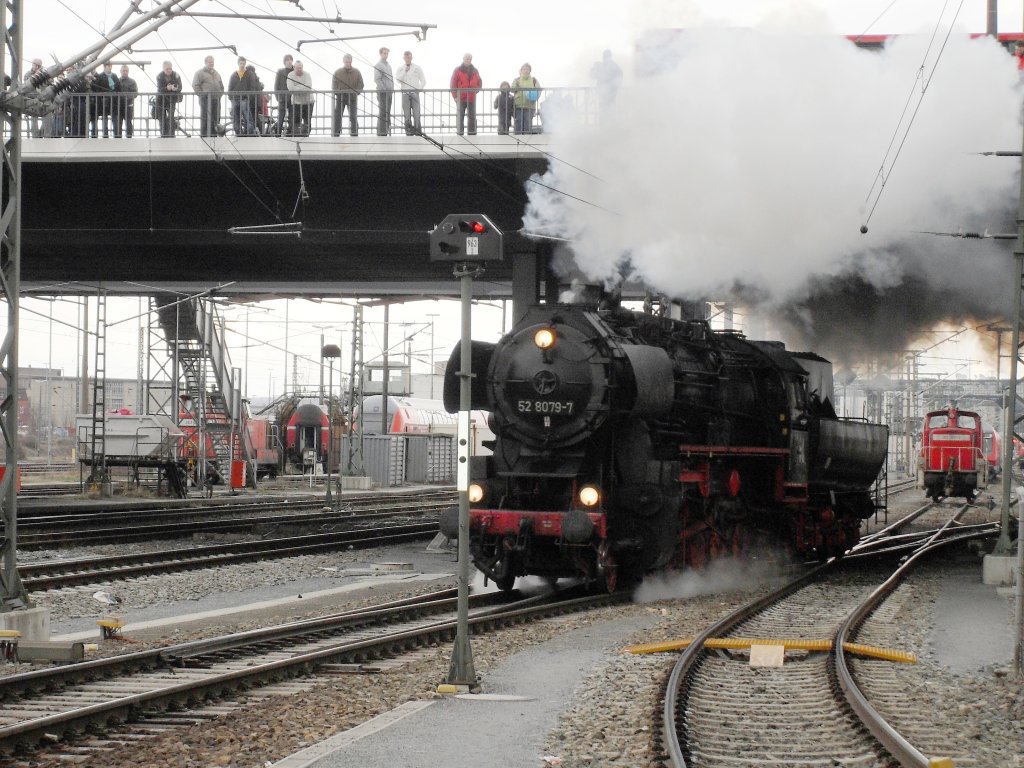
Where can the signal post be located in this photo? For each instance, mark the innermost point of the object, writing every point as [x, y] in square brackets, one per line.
[466, 240]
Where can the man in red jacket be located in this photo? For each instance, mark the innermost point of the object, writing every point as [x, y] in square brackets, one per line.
[465, 84]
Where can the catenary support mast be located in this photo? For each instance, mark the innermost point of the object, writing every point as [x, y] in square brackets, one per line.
[12, 591]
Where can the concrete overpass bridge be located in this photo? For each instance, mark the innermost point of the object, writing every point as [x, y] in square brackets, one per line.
[151, 214]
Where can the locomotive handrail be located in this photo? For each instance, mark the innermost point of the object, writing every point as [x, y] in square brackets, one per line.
[82, 115]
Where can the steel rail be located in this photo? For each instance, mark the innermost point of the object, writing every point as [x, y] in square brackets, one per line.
[127, 707]
[220, 505]
[673, 712]
[891, 527]
[29, 539]
[54, 574]
[881, 731]
[58, 676]
[894, 743]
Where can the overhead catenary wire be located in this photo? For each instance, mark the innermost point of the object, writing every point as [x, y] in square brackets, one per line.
[877, 19]
[882, 178]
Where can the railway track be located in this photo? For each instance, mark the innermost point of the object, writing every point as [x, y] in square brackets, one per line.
[46, 490]
[720, 711]
[56, 574]
[173, 509]
[45, 705]
[148, 525]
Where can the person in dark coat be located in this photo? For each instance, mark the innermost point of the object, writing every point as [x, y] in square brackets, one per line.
[244, 89]
[125, 105]
[107, 85]
[346, 84]
[284, 99]
[79, 95]
[168, 88]
[505, 103]
[91, 107]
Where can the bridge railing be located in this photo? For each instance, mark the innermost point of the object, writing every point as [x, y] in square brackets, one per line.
[93, 115]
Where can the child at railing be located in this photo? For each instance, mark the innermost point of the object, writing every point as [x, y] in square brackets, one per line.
[505, 103]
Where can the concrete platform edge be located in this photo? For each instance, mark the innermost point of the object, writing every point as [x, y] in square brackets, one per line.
[312, 754]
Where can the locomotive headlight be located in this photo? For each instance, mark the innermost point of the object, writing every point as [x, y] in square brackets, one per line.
[590, 495]
[476, 493]
[544, 338]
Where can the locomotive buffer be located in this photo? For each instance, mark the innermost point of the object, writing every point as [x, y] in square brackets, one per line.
[465, 240]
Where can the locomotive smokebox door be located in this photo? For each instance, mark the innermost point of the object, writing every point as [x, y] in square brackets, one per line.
[466, 237]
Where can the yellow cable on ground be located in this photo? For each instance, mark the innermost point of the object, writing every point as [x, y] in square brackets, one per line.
[790, 644]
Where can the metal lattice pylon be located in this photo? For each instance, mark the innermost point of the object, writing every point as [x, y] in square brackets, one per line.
[12, 591]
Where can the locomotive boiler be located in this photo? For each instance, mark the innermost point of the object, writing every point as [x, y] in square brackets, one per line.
[627, 443]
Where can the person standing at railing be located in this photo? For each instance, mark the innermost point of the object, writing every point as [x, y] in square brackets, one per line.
[300, 88]
[347, 84]
[505, 103]
[168, 88]
[465, 84]
[385, 82]
[284, 99]
[34, 127]
[411, 81]
[91, 110]
[527, 90]
[607, 76]
[125, 104]
[209, 86]
[243, 89]
[107, 85]
[78, 107]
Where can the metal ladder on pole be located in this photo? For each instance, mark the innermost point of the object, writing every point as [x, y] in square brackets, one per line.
[98, 475]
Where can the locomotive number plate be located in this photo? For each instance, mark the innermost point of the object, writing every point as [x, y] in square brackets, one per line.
[546, 407]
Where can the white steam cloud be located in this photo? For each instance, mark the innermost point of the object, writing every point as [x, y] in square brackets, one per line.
[720, 576]
[738, 168]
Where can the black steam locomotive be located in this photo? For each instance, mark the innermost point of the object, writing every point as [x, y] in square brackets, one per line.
[627, 442]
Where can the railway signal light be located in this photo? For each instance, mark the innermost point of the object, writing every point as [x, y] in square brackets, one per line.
[466, 237]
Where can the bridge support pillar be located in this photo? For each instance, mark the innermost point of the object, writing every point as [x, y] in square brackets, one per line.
[525, 284]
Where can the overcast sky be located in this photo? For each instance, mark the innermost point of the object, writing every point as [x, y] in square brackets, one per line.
[560, 39]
